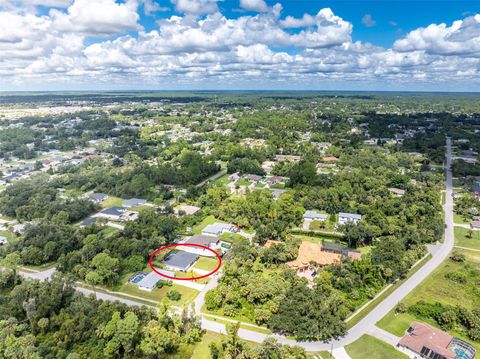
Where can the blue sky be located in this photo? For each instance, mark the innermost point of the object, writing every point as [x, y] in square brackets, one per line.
[240, 44]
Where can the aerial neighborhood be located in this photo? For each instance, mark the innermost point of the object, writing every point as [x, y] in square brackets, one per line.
[295, 217]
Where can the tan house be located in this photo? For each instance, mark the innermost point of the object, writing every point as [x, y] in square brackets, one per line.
[312, 254]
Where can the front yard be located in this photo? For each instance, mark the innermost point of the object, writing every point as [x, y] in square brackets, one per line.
[368, 347]
[462, 238]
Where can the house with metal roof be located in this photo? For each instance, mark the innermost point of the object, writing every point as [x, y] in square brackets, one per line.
[344, 218]
[211, 242]
[88, 221]
[180, 261]
[98, 197]
[114, 213]
[134, 202]
[149, 282]
[217, 229]
[312, 215]
[3, 240]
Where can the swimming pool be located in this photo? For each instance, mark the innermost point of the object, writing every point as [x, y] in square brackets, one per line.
[136, 278]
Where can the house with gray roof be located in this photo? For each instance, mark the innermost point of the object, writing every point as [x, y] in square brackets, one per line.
[134, 202]
[217, 229]
[112, 213]
[3, 240]
[211, 242]
[88, 221]
[312, 215]
[98, 197]
[180, 261]
[344, 218]
[149, 282]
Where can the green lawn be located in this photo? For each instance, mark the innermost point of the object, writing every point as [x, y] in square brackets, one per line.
[437, 288]
[202, 351]
[206, 263]
[112, 201]
[188, 294]
[231, 237]
[9, 235]
[197, 229]
[243, 182]
[242, 325]
[368, 347]
[459, 219]
[223, 180]
[462, 240]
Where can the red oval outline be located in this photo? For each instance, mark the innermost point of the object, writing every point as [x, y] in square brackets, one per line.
[184, 244]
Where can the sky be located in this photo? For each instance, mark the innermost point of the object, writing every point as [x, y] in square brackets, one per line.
[390, 45]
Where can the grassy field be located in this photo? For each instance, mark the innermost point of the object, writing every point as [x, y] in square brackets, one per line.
[206, 263]
[9, 235]
[112, 201]
[223, 180]
[157, 294]
[368, 347]
[437, 288]
[202, 351]
[459, 219]
[462, 240]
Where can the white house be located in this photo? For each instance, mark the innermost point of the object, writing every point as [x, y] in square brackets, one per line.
[207, 241]
[311, 216]
[3, 240]
[149, 282]
[217, 229]
[344, 218]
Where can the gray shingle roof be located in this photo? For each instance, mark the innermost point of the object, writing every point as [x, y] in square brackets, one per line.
[132, 202]
[203, 240]
[350, 215]
[180, 260]
[114, 211]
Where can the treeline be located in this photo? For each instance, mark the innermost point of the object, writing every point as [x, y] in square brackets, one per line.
[38, 198]
[51, 320]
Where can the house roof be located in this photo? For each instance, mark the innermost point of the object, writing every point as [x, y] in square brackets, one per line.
[203, 240]
[421, 335]
[114, 211]
[132, 202]
[152, 278]
[187, 209]
[217, 228]
[349, 215]
[312, 252]
[88, 221]
[98, 196]
[311, 214]
[330, 158]
[180, 260]
[397, 191]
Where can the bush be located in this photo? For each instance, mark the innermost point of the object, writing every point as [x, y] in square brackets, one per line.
[401, 308]
[174, 295]
[457, 277]
[457, 257]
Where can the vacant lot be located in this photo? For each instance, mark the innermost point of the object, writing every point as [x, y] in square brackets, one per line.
[462, 238]
[368, 347]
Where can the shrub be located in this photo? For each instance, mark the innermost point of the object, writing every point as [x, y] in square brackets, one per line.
[457, 277]
[174, 295]
[457, 256]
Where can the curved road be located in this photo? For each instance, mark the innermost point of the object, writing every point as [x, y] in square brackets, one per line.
[366, 325]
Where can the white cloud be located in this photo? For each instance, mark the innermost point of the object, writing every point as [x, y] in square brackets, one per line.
[196, 7]
[205, 47]
[254, 5]
[368, 21]
[99, 17]
[461, 38]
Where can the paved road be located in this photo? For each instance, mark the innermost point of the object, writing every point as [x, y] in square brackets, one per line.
[212, 178]
[368, 323]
